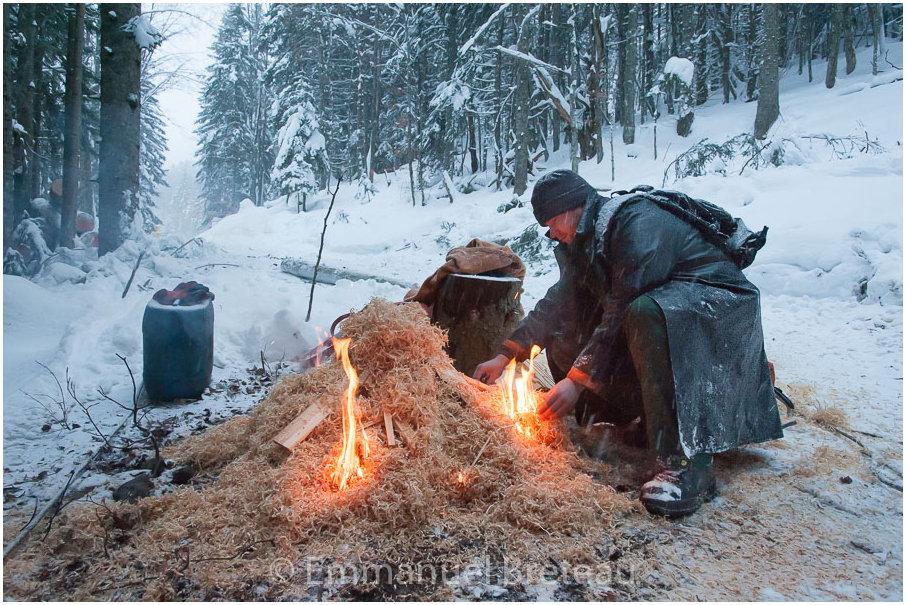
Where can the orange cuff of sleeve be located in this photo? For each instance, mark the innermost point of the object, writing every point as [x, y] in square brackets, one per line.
[580, 377]
[512, 349]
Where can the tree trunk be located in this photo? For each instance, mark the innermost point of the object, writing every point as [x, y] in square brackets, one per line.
[478, 314]
[88, 167]
[597, 83]
[753, 71]
[767, 108]
[544, 53]
[8, 206]
[447, 138]
[118, 167]
[875, 16]
[556, 55]
[24, 111]
[375, 130]
[783, 22]
[727, 40]
[420, 128]
[701, 80]
[576, 120]
[809, 50]
[409, 146]
[849, 54]
[834, 39]
[471, 142]
[38, 163]
[670, 92]
[800, 53]
[628, 84]
[498, 93]
[72, 138]
[648, 70]
[521, 109]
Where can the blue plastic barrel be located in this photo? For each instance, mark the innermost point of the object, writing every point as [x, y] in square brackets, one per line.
[178, 350]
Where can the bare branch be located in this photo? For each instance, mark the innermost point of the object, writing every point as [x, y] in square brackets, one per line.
[132, 276]
[135, 395]
[57, 505]
[71, 387]
[321, 247]
[61, 403]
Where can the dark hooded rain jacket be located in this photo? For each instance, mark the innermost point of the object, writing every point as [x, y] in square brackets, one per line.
[625, 248]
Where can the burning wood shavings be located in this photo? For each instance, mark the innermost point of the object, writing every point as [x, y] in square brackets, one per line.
[526, 499]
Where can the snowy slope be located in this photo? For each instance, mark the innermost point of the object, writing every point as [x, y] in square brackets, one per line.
[831, 277]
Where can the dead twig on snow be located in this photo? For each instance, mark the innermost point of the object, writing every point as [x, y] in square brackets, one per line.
[58, 505]
[132, 276]
[136, 421]
[71, 388]
[194, 239]
[61, 403]
[217, 265]
[308, 314]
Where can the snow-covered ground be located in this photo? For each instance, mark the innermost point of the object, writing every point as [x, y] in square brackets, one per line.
[831, 277]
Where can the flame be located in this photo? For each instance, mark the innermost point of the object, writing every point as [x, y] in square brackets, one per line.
[461, 478]
[521, 405]
[322, 336]
[349, 462]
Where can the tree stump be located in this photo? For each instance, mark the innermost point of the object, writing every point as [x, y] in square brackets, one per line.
[478, 312]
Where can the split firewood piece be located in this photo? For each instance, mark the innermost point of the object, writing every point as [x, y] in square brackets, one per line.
[370, 424]
[450, 375]
[389, 428]
[406, 433]
[301, 426]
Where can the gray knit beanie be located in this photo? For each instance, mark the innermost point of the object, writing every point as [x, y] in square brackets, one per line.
[557, 192]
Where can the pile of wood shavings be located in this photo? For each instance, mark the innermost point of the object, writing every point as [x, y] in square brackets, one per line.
[221, 539]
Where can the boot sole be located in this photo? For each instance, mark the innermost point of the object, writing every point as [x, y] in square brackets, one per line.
[673, 509]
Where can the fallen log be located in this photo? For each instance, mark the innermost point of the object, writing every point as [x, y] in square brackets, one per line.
[301, 426]
[329, 275]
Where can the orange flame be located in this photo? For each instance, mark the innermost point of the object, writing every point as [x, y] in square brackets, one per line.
[349, 462]
[521, 405]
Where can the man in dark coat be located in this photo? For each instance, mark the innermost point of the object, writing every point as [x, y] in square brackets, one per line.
[647, 319]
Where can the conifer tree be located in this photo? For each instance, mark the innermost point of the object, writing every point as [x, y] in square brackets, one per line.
[235, 133]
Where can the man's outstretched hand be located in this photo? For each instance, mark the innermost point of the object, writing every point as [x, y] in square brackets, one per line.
[560, 400]
[489, 371]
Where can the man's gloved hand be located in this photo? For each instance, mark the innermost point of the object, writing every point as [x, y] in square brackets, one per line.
[489, 371]
[560, 400]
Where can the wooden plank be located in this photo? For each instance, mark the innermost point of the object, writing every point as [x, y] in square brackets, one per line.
[301, 426]
[406, 433]
[389, 429]
[450, 375]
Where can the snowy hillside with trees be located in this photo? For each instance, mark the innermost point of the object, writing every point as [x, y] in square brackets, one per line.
[372, 139]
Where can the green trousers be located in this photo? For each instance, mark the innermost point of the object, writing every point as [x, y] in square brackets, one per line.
[640, 381]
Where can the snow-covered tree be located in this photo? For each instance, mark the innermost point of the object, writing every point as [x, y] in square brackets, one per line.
[300, 163]
[152, 154]
[235, 133]
[678, 77]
